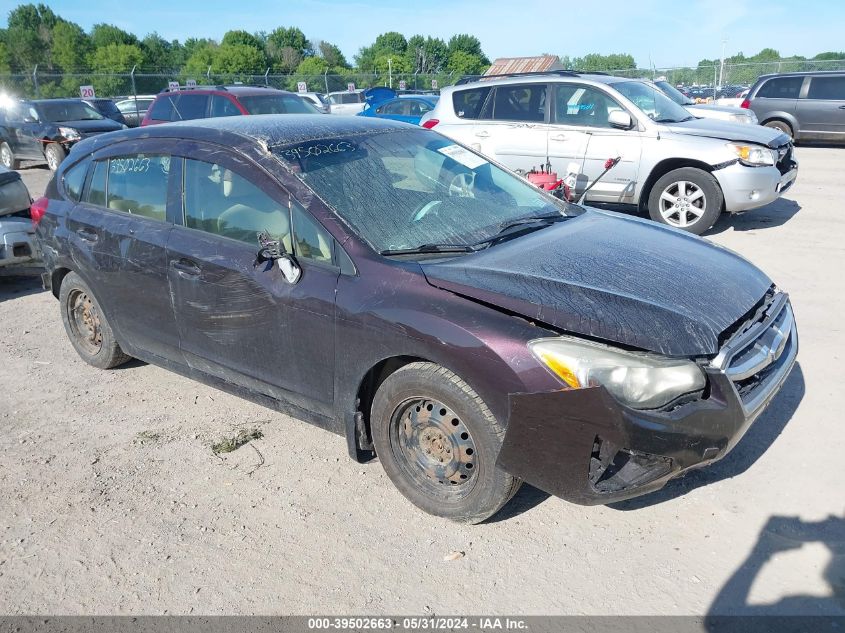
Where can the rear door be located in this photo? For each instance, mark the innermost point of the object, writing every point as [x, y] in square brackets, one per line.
[821, 109]
[513, 126]
[119, 231]
[239, 320]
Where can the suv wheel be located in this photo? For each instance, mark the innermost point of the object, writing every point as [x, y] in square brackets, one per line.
[438, 443]
[687, 198]
[7, 157]
[783, 126]
[55, 154]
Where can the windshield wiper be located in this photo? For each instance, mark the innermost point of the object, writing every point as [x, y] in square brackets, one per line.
[518, 226]
[429, 248]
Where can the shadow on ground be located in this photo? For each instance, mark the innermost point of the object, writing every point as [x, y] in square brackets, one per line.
[777, 213]
[756, 442]
[14, 287]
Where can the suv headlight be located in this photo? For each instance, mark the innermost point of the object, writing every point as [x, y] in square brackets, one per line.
[753, 155]
[746, 117]
[69, 133]
[638, 380]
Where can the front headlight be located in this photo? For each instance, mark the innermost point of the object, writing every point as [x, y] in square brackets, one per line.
[69, 133]
[746, 117]
[638, 380]
[753, 155]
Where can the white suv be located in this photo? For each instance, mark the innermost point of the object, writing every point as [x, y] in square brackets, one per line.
[683, 170]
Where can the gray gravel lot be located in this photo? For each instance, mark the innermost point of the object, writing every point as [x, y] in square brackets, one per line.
[112, 502]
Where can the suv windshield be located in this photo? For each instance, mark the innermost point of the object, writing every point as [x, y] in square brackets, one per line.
[59, 111]
[673, 93]
[654, 103]
[277, 104]
[401, 190]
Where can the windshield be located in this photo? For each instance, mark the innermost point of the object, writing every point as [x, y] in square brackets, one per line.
[59, 111]
[401, 189]
[673, 93]
[277, 104]
[654, 103]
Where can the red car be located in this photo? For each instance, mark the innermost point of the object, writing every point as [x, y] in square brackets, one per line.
[201, 103]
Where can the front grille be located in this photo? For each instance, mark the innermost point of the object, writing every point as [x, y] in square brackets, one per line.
[785, 163]
[758, 357]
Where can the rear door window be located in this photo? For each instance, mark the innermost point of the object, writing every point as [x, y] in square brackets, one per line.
[137, 184]
[827, 88]
[468, 103]
[519, 103]
[223, 106]
[781, 88]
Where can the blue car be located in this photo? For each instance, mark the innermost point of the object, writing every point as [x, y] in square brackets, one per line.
[408, 108]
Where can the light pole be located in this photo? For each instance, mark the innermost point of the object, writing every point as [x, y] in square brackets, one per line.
[389, 73]
[722, 64]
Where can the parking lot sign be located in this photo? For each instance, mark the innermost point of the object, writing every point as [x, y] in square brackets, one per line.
[434, 84]
[403, 85]
[301, 86]
[173, 85]
[86, 92]
[350, 87]
[190, 83]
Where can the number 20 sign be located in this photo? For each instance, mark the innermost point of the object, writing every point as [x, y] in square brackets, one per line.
[86, 92]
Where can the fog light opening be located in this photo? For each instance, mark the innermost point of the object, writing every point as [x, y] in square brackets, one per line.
[626, 469]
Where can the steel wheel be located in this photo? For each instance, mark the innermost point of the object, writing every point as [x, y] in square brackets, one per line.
[52, 155]
[433, 447]
[682, 204]
[85, 321]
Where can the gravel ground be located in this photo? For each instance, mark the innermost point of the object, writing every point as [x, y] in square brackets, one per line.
[112, 501]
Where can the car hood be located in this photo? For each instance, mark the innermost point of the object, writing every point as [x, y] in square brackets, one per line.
[614, 278]
[90, 127]
[699, 107]
[729, 131]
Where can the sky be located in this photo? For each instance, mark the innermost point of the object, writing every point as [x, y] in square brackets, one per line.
[660, 33]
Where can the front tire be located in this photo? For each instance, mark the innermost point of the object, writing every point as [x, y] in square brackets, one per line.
[438, 442]
[55, 154]
[687, 198]
[782, 126]
[86, 325]
[7, 157]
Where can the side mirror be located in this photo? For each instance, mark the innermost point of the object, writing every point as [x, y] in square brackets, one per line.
[290, 269]
[620, 119]
[274, 251]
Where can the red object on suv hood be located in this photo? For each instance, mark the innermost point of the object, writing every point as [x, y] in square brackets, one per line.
[430, 123]
[38, 209]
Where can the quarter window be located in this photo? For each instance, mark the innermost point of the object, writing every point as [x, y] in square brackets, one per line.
[827, 88]
[781, 88]
[97, 188]
[312, 240]
[74, 179]
[137, 184]
[468, 103]
[221, 202]
[520, 103]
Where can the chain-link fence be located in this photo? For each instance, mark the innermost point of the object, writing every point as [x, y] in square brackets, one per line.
[721, 79]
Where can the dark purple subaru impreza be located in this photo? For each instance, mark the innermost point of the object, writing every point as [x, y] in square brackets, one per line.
[388, 284]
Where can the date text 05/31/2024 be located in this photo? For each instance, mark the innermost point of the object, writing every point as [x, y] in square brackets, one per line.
[420, 623]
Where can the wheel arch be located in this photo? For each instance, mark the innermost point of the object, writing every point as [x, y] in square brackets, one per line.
[783, 117]
[57, 276]
[664, 167]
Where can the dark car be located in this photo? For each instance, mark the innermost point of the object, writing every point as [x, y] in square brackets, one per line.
[134, 109]
[46, 129]
[187, 104]
[18, 251]
[385, 283]
[108, 108]
[809, 106]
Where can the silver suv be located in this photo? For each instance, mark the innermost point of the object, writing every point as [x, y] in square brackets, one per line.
[682, 170]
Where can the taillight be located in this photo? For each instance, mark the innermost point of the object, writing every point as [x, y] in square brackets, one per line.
[37, 210]
[430, 123]
[745, 104]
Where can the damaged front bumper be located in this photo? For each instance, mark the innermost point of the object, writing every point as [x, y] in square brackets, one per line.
[584, 446]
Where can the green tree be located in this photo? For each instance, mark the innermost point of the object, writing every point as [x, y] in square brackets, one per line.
[332, 54]
[192, 44]
[427, 54]
[237, 59]
[830, 55]
[5, 65]
[104, 34]
[159, 54]
[312, 66]
[463, 63]
[114, 58]
[243, 38]
[286, 48]
[398, 63]
[391, 43]
[202, 56]
[604, 63]
[71, 47]
[467, 44]
[29, 35]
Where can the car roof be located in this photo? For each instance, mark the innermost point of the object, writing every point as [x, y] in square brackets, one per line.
[538, 78]
[803, 73]
[238, 91]
[268, 130]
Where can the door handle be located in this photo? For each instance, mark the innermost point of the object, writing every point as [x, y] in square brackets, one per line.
[482, 134]
[87, 235]
[185, 267]
[558, 137]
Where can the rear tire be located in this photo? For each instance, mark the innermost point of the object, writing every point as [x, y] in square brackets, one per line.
[86, 325]
[783, 126]
[688, 198]
[7, 157]
[55, 154]
[438, 442]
